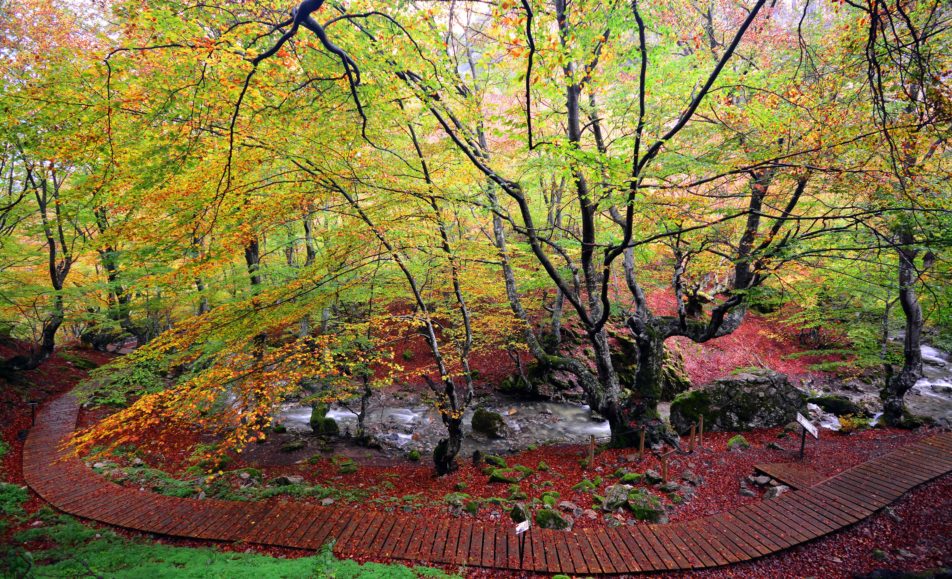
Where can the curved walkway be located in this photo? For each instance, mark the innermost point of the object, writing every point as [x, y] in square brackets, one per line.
[746, 533]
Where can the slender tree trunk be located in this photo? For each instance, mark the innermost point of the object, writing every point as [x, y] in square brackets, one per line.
[898, 384]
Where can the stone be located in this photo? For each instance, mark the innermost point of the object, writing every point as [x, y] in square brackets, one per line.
[652, 476]
[904, 554]
[746, 492]
[504, 475]
[488, 423]
[891, 513]
[838, 405]
[738, 443]
[568, 506]
[327, 502]
[495, 460]
[283, 481]
[774, 446]
[137, 462]
[551, 519]
[320, 424]
[244, 475]
[753, 399]
[645, 506]
[98, 465]
[774, 492]
[519, 513]
[670, 487]
[616, 496]
[690, 477]
[762, 480]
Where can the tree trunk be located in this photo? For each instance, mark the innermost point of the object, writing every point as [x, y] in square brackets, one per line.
[898, 384]
[444, 456]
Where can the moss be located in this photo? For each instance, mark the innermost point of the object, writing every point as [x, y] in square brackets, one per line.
[631, 478]
[413, 455]
[585, 486]
[456, 499]
[550, 519]
[645, 506]
[471, 507]
[738, 442]
[495, 460]
[505, 475]
[524, 470]
[543, 467]
[691, 404]
[550, 498]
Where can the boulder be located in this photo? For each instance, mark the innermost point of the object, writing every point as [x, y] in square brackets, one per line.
[283, 481]
[751, 399]
[645, 506]
[616, 496]
[838, 405]
[674, 378]
[550, 519]
[321, 424]
[488, 423]
[774, 492]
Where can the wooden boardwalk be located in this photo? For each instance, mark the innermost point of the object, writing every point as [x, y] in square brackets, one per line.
[746, 533]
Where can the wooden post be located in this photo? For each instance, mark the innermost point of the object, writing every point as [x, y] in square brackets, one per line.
[591, 452]
[691, 444]
[700, 432]
[664, 467]
[641, 445]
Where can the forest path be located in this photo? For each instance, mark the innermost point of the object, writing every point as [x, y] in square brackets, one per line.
[726, 538]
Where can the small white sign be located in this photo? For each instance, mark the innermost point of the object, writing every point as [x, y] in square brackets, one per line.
[808, 426]
[522, 527]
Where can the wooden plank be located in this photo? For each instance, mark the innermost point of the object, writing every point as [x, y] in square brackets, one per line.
[586, 550]
[648, 532]
[600, 551]
[742, 543]
[665, 537]
[637, 547]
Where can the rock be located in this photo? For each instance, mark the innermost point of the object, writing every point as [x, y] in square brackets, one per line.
[568, 506]
[327, 502]
[674, 378]
[551, 519]
[746, 492]
[754, 399]
[891, 513]
[774, 446]
[690, 477]
[774, 492]
[293, 445]
[244, 476]
[137, 462]
[879, 555]
[670, 487]
[495, 460]
[652, 476]
[98, 465]
[904, 554]
[762, 480]
[504, 475]
[616, 496]
[488, 423]
[283, 481]
[519, 513]
[838, 405]
[738, 443]
[320, 424]
[590, 514]
[645, 506]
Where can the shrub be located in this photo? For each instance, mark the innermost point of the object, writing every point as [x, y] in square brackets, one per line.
[12, 498]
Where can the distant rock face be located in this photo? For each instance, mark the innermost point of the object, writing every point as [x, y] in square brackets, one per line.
[754, 399]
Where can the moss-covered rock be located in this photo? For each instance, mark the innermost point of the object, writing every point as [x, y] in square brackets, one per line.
[754, 398]
[321, 424]
[488, 423]
[738, 443]
[838, 405]
[630, 478]
[504, 475]
[674, 377]
[645, 506]
[496, 461]
[551, 519]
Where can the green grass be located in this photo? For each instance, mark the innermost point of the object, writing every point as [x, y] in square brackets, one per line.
[80, 551]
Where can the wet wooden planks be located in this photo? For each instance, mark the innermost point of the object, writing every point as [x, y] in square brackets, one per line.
[820, 506]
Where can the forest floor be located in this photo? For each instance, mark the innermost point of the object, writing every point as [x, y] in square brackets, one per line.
[916, 534]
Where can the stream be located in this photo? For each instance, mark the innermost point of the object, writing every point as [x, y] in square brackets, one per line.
[418, 426]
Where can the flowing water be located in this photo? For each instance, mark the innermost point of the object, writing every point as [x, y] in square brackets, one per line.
[419, 425]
